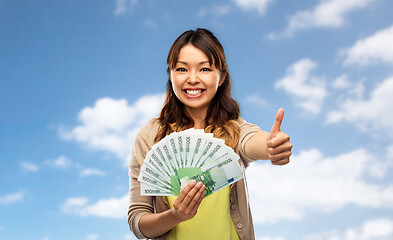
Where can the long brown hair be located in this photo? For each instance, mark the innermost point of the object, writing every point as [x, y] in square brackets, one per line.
[223, 111]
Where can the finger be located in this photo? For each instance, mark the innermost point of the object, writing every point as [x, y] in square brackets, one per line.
[277, 122]
[280, 156]
[281, 162]
[190, 195]
[286, 146]
[199, 198]
[196, 197]
[195, 209]
[185, 191]
[278, 140]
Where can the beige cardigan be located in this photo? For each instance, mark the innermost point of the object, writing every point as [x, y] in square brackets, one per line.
[139, 205]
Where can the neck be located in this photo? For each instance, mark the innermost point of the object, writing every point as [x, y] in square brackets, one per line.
[198, 116]
[199, 125]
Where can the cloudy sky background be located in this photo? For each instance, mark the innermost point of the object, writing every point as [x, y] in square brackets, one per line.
[79, 78]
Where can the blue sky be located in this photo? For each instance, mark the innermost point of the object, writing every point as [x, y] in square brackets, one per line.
[79, 78]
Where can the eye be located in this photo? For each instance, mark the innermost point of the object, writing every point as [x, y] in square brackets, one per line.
[180, 69]
[205, 69]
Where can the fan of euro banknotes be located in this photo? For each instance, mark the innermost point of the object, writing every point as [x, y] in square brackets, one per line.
[185, 156]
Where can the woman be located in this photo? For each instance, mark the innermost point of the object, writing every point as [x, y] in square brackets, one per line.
[198, 96]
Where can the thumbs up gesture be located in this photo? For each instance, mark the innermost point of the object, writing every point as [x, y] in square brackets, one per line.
[277, 142]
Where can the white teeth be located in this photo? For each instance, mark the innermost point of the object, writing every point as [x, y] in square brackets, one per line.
[193, 92]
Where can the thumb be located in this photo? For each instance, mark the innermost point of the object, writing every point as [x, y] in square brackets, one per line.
[277, 122]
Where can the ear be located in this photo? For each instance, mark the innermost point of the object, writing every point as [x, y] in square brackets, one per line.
[222, 78]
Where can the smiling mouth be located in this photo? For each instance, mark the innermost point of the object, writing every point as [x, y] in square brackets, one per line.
[194, 92]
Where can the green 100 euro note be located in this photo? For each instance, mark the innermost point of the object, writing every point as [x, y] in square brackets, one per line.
[185, 156]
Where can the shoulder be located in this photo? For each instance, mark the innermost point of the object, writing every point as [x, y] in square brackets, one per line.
[246, 127]
[143, 142]
[147, 133]
[151, 128]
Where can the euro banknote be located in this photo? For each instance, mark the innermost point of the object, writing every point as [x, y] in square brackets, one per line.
[185, 156]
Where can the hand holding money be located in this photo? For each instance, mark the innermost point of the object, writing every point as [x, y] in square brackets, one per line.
[186, 204]
[188, 156]
[278, 144]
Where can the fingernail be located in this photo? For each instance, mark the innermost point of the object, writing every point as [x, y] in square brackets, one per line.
[199, 184]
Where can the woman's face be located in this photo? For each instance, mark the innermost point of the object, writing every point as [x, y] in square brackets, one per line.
[194, 80]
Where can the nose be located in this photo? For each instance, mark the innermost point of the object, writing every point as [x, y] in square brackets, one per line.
[193, 78]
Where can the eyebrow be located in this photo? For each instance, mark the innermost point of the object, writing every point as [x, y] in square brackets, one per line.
[204, 62]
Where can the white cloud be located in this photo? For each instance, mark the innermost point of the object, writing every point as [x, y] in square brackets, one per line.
[150, 23]
[12, 198]
[128, 237]
[112, 208]
[28, 167]
[371, 114]
[373, 49]
[357, 90]
[64, 162]
[342, 82]
[252, 5]
[375, 229]
[61, 162]
[257, 100]
[389, 152]
[314, 183]
[307, 90]
[327, 14]
[91, 172]
[124, 6]
[220, 10]
[345, 88]
[73, 203]
[92, 237]
[270, 238]
[110, 125]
